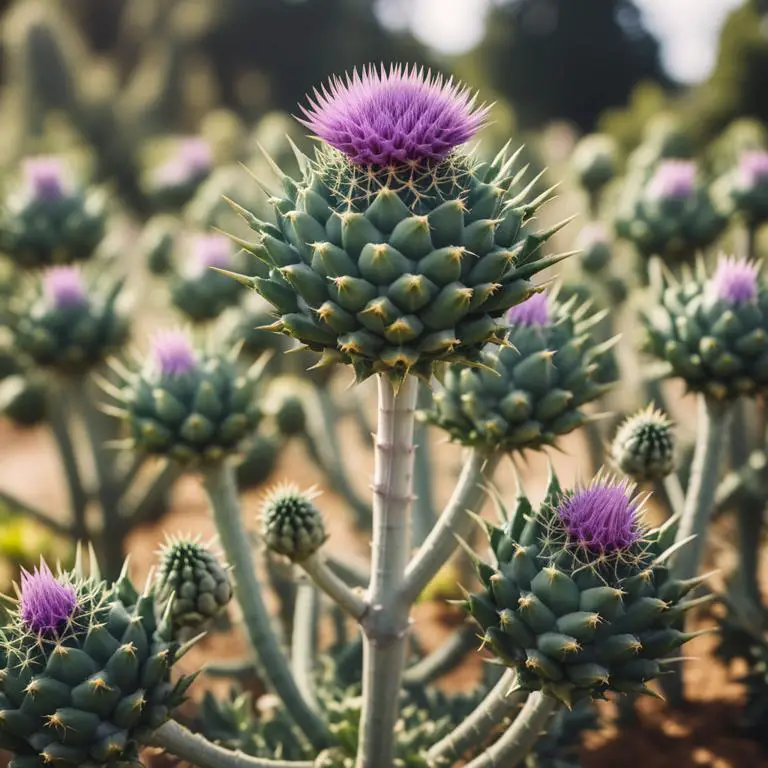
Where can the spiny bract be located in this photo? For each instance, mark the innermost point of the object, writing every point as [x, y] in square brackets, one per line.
[713, 331]
[392, 268]
[84, 671]
[187, 405]
[194, 580]
[531, 390]
[291, 524]
[580, 601]
[644, 445]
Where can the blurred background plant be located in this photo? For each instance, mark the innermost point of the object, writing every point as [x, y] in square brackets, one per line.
[654, 116]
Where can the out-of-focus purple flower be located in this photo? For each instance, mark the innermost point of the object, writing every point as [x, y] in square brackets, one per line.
[390, 117]
[533, 311]
[753, 168]
[594, 233]
[46, 604]
[45, 178]
[735, 280]
[63, 288]
[208, 251]
[673, 180]
[603, 517]
[173, 353]
[193, 158]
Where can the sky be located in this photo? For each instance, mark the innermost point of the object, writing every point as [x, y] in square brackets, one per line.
[687, 29]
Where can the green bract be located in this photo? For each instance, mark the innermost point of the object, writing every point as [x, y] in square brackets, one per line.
[37, 232]
[717, 348]
[394, 269]
[530, 391]
[192, 578]
[195, 417]
[70, 339]
[572, 626]
[86, 696]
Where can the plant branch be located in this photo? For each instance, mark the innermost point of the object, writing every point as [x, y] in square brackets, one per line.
[518, 740]
[220, 485]
[454, 521]
[475, 729]
[18, 507]
[304, 640]
[197, 750]
[324, 578]
[443, 659]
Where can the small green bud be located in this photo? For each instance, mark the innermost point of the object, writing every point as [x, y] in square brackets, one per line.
[290, 522]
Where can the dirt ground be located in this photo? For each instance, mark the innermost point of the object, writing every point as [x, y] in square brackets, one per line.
[703, 734]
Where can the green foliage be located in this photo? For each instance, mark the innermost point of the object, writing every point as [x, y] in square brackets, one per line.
[529, 392]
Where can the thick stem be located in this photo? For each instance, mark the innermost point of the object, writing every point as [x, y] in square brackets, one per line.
[386, 624]
[475, 729]
[468, 495]
[343, 595]
[304, 640]
[60, 427]
[423, 505]
[518, 740]
[221, 487]
[197, 750]
[705, 473]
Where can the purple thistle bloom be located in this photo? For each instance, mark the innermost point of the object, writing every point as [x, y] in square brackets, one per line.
[602, 517]
[673, 180]
[193, 158]
[533, 311]
[403, 115]
[735, 280]
[46, 604]
[210, 251]
[172, 352]
[45, 178]
[63, 288]
[753, 168]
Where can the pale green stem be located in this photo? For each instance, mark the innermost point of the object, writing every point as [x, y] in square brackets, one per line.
[354, 573]
[58, 410]
[468, 496]
[749, 520]
[386, 623]
[343, 595]
[304, 640]
[671, 493]
[131, 472]
[443, 659]
[221, 487]
[423, 505]
[705, 473]
[197, 750]
[480, 723]
[519, 739]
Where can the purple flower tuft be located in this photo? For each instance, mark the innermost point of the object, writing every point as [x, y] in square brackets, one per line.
[673, 180]
[735, 280]
[602, 517]
[45, 178]
[193, 158]
[172, 352]
[753, 168]
[210, 251]
[63, 288]
[533, 311]
[393, 117]
[46, 603]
